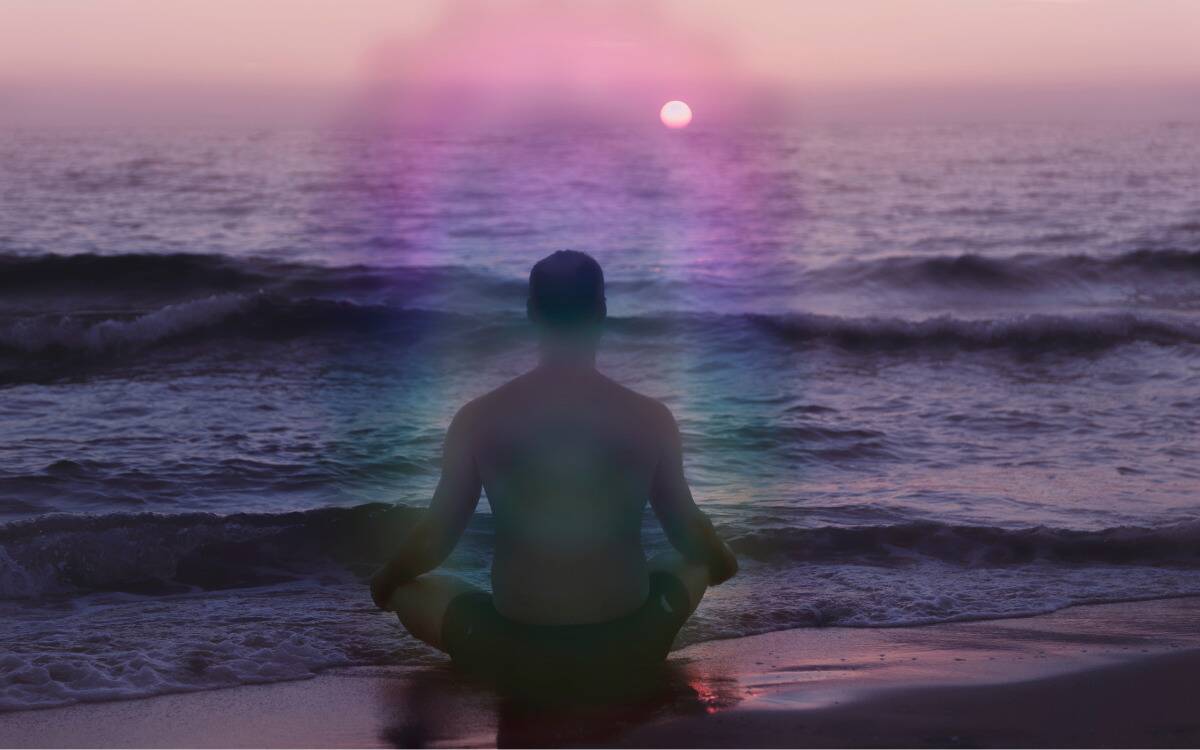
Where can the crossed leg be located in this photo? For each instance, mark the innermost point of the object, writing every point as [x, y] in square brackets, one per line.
[421, 603]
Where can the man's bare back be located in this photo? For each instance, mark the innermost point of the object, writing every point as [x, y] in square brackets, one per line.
[569, 460]
[567, 457]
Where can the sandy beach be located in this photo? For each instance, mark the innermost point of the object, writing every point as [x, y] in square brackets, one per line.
[1101, 675]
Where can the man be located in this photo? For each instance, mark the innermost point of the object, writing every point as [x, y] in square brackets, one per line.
[569, 459]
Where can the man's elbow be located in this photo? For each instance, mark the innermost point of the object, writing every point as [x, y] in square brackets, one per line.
[723, 565]
[700, 543]
[693, 537]
[701, 529]
[435, 550]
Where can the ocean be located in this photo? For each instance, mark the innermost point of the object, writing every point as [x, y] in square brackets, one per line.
[923, 373]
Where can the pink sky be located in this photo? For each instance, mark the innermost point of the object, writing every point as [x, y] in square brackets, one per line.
[803, 48]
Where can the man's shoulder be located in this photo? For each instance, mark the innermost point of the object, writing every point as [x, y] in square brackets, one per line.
[480, 406]
[499, 401]
[648, 406]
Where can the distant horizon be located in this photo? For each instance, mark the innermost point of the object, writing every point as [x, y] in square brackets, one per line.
[266, 105]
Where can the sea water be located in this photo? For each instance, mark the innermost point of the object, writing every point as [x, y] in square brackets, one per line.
[922, 373]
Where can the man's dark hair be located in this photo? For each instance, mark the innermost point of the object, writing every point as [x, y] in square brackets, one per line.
[566, 290]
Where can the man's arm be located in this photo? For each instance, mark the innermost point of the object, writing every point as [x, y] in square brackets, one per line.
[688, 529]
[430, 540]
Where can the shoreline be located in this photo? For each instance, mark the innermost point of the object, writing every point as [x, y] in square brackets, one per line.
[1146, 702]
[1084, 675]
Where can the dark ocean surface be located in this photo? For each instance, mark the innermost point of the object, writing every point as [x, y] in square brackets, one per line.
[923, 374]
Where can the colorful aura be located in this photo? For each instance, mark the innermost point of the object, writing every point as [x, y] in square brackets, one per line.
[488, 156]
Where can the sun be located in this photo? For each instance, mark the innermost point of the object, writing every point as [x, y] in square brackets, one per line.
[675, 114]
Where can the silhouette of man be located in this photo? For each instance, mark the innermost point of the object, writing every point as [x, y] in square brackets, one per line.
[569, 459]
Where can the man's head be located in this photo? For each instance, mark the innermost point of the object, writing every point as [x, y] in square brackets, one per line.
[566, 294]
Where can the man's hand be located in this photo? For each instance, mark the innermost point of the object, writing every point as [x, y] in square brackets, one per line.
[382, 586]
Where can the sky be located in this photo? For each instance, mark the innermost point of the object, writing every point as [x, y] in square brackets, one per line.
[1112, 55]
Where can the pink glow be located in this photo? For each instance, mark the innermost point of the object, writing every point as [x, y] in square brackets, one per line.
[555, 62]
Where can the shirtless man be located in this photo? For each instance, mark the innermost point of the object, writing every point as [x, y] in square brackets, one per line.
[569, 459]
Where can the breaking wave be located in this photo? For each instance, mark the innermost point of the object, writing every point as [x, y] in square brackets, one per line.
[231, 316]
[1014, 273]
[264, 317]
[1176, 545]
[146, 276]
[1029, 333]
[163, 554]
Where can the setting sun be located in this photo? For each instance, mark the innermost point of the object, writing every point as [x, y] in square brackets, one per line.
[675, 114]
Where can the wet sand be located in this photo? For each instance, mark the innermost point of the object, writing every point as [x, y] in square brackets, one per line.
[1104, 675]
